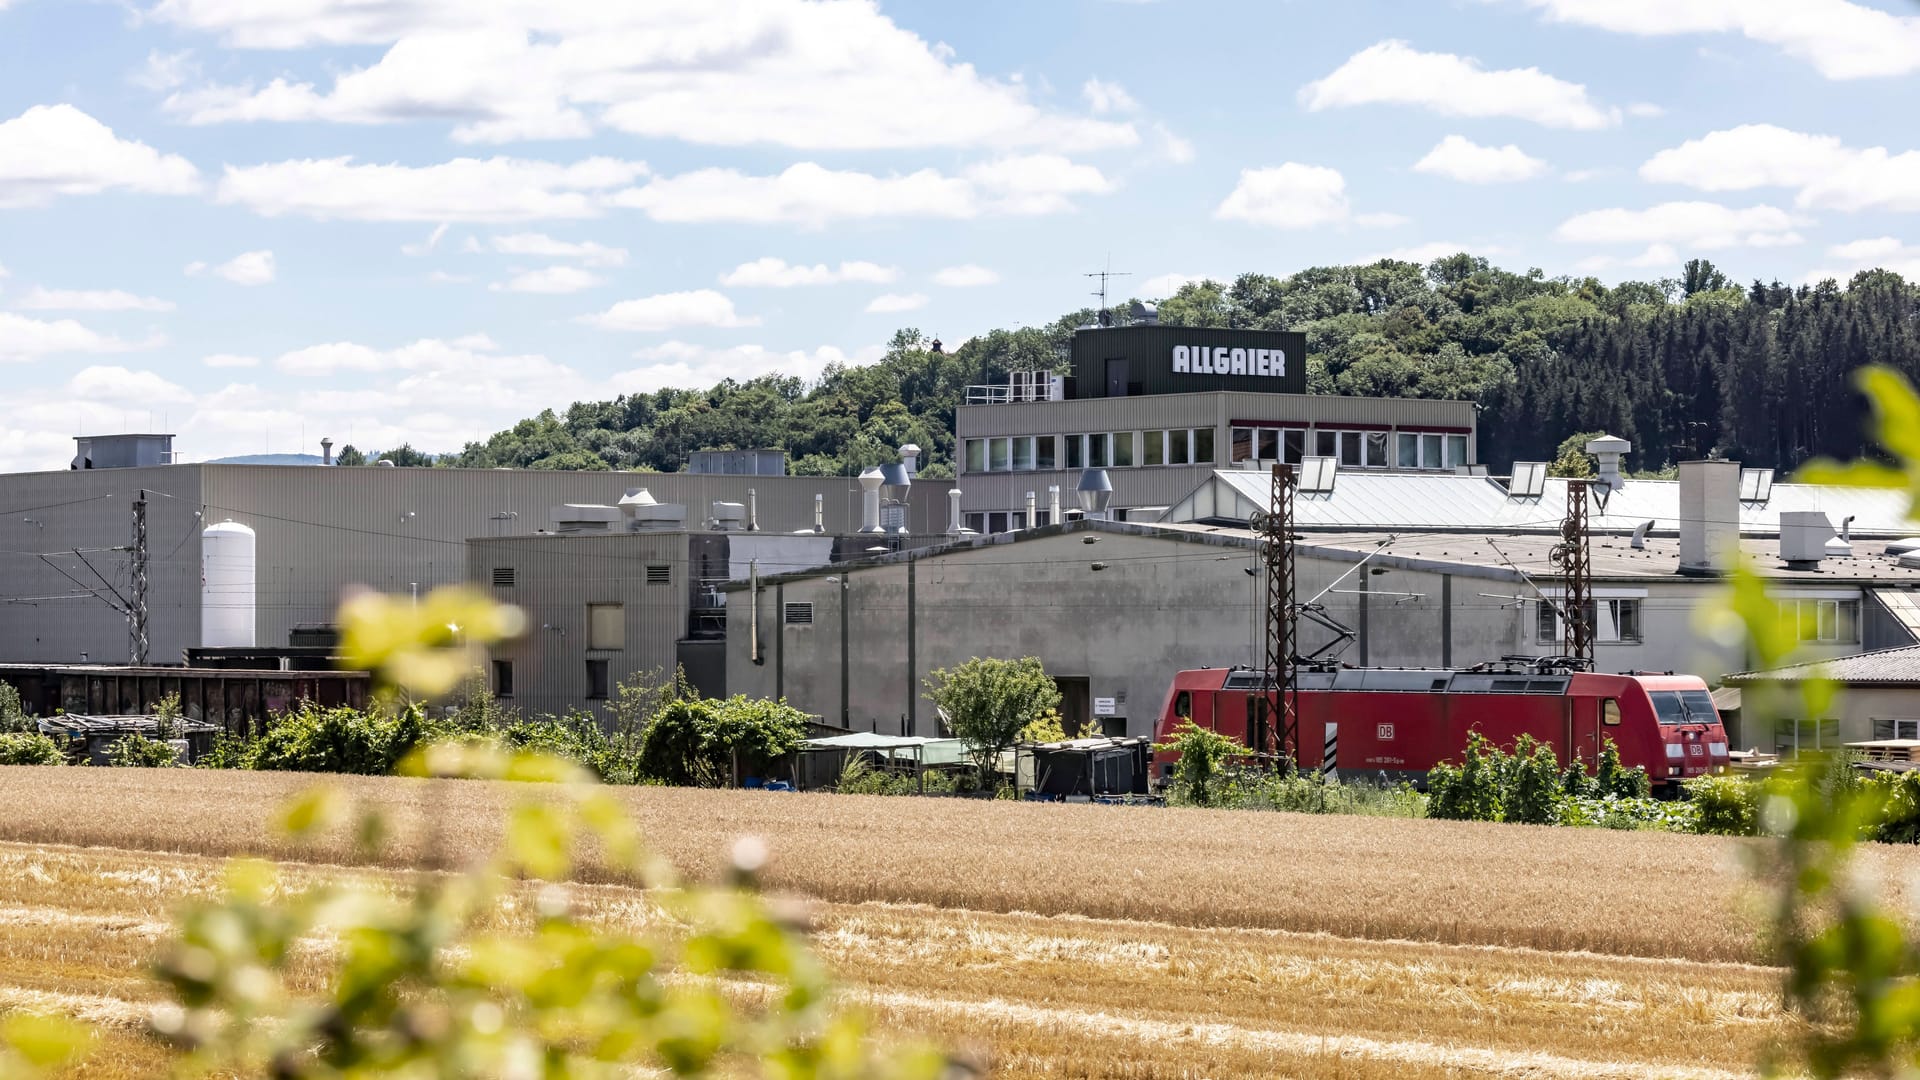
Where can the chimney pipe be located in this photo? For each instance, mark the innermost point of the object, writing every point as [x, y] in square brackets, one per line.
[326, 451]
[956, 524]
[819, 513]
[753, 510]
[1709, 517]
[1053, 505]
[1032, 511]
[1607, 450]
[910, 457]
[870, 481]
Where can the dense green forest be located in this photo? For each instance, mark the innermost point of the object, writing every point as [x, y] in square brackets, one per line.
[1680, 367]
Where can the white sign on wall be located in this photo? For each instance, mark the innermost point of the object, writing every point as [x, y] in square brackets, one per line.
[1104, 706]
[1220, 360]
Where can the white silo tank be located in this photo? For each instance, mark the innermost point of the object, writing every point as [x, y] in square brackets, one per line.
[227, 552]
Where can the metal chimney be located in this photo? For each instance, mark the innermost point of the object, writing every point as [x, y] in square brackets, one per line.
[1032, 510]
[1607, 450]
[819, 513]
[753, 510]
[1709, 517]
[1095, 492]
[910, 457]
[870, 481]
[326, 451]
[1053, 505]
[956, 524]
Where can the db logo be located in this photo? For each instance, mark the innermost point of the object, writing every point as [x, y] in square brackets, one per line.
[1383, 732]
[1696, 750]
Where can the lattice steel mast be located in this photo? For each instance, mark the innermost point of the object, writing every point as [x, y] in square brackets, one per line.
[137, 611]
[1576, 573]
[1282, 669]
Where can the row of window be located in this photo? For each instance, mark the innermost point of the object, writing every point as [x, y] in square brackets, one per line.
[1616, 620]
[596, 678]
[1830, 621]
[505, 577]
[1095, 450]
[1353, 449]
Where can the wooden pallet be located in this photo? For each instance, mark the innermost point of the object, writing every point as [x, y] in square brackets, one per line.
[1888, 749]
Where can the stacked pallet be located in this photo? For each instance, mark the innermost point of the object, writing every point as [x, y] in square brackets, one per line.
[1906, 750]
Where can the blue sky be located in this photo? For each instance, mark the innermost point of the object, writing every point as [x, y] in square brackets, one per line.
[257, 222]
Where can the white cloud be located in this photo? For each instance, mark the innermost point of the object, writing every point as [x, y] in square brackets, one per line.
[1655, 257]
[776, 273]
[801, 75]
[230, 360]
[667, 311]
[965, 276]
[125, 386]
[810, 195]
[166, 71]
[426, 246]
[39, 299]
[1828, 173]
[54, 150]
[1173, 148]
[1395, 73]
[22, 338]
[1880, 247]
[1437, 249]
[1878, 253]
[1702, 225]
[1646, 110]
[1459, 158]
[1106, 97]
[1843, 40]
[541, 246]
[465, 189]
[1581, 176]
[1164, 285]
[1289, 196]
[677, 363]
[247, 268]
[549, 280]
[890, 303]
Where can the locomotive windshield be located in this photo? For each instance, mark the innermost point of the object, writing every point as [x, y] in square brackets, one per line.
[1684, 706]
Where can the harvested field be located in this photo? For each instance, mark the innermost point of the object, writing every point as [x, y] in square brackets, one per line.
[1190, 943]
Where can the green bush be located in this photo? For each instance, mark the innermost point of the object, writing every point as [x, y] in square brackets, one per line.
[1472, 790]
[13, 719]
[1725, 805]
[1609, 778]
[1533, 783]
[19, 748]
[1626, 812]
[140, 752]
[701, 743]
[1310, 793]
[338, 740]
[1199, 776]
[859, 777]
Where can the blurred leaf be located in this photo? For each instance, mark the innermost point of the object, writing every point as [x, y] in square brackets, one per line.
[315, 810]
[539, 837]
[43, 1042]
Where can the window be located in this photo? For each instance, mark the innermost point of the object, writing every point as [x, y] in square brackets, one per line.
[1203, 446]
[1457, 451]
[597, 679]
[1625, 615]
[976, 455]
[1836, 621]
[1294, 447]
[1023, 454]
[798, 614]
[1244, 446]
[1408, 445]
[1155, 449]
[1097, 451]
[1043, 452]
[1270, 445]
[1377, 450]
[999, 454]
[1122, 448]
[503, 577]
[1614, 620]
[1350, 449]
[659, 574]
[606, 626]
[1433, 452]
[1796, 735]
[977, 522]
[1610, 712]
[1183, 705]
[1076, 451]
[1179, 451]
[1547, 624]
[998, 521]
[503, 678]
[1326, 444]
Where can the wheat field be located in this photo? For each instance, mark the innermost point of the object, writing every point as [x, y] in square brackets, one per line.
[1046, 940]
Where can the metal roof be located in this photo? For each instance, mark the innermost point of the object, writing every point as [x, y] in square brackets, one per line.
[1886, 667]
[1443, 502]
[1613, 557]
[78, 724]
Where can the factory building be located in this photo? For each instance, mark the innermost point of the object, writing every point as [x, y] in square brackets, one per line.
[1160, 408]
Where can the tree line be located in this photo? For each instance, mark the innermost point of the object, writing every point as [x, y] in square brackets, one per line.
[1681, 367]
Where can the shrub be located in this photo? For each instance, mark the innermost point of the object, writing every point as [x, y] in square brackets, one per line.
[1609, 778]
[701, 743]
[1898, 798]
[988, 702]
[13, 719]
[1626, 812]
[1725, 805]
[1199, 774]
[140, 752]
[20, 748]
[1472, 790]
[1310, 793]
[1533, 783]
[338, 740]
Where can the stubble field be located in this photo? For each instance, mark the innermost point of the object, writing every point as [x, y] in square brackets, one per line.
[1053, 941]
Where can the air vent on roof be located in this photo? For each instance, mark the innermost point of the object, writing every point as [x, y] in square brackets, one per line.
[503, 577]
[659, 574]
[800, 614]
[1529, 480]
[1317, 475]
[1756, 485]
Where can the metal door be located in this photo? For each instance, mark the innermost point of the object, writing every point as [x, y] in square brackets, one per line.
[1117, 377]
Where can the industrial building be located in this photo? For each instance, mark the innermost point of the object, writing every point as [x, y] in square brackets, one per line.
[1880, 700]
[1159, 408]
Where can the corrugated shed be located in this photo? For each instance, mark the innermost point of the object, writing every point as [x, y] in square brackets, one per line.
[1887, 667]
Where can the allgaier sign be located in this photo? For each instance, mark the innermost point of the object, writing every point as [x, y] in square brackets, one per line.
[1222, 360]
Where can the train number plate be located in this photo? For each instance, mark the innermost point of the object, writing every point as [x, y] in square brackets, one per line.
[1383, 732]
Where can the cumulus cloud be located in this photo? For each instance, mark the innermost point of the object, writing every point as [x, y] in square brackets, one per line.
[1459, 158]
[1437, 249]
[165, 71]
[1107, 97]
[247, 268]
[1876, 253]
[1842, 39]
[891, 303]
[539, 245]
[23, 338]
[805, 76]
[1289, 196]
[776, 273]
[677, 363]
[40, 299]
[125, 386]
[1828, 173]
[668, 311]
[966, 276]
[490, 190]
[54, 150]
[550, 280]
[426, 247]
[1701, 225]
[1395, 73]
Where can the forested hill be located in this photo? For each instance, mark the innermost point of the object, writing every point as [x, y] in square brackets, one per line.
[1679, 367]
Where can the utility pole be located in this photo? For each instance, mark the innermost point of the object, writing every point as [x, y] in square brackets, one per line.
[1276, 528]
[137, 613]
[1106, 319]
[1576, 571]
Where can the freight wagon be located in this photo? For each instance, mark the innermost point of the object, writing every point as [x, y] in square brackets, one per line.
[1396, 724]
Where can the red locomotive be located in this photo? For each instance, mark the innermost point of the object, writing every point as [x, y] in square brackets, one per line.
[1370, 723]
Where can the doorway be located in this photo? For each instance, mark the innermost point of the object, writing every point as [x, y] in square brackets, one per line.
[1076, 702]
[1117, 377]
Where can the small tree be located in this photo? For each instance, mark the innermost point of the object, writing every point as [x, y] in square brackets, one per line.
[700, 743]
[13, 719]
[988, 702]
[1572, 460]
[1203, 762]
[1534, 785]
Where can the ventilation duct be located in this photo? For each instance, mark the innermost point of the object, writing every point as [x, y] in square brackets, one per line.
[1640, 535]
[729, 516]
[1033, 510]
[1607, 451]
[573, 518]
[1095, 491]
[1709, 516]
[870, 481]
[1803, 538]
[645, 515]
[1053, 504]
[753, 510]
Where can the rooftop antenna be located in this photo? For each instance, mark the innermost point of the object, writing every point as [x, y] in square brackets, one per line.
[1106, 317]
